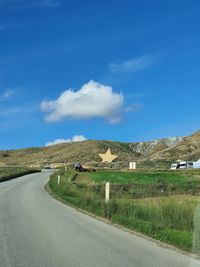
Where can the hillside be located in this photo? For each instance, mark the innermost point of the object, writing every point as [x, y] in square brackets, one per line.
[168, 149]
[84, 152]
[187, 149]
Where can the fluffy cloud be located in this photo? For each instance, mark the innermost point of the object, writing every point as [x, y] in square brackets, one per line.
[132, 65]
[76, 138]
[92, 100]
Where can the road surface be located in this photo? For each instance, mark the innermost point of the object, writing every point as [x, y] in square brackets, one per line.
[37, 230]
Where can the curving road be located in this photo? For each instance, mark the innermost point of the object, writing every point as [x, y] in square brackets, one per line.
[37, 230]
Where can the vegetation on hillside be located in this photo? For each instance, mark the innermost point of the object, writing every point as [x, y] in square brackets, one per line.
[153, 154]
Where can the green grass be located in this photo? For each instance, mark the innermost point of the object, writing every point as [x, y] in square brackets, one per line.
[166, 218]
[11, 173]
[142, 184]
[180, 239]
[142, 177]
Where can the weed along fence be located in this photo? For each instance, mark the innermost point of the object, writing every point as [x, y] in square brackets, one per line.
[159, 204]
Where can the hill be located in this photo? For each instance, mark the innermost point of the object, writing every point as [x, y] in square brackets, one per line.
[187, 149]
[167, 149]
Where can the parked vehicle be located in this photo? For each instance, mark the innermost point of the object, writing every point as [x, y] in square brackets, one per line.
[185, 165]
[196, 165]
[78, 167]
[47, 167]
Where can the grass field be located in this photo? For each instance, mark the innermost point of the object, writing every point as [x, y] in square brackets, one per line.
[11, 173]
[167, 216]
[141, 184]
[145, 177]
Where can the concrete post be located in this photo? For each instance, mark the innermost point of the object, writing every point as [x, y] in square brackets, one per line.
[107, 192]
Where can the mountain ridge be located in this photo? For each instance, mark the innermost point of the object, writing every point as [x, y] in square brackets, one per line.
[164, 149]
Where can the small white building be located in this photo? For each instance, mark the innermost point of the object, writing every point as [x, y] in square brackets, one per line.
[132, 165]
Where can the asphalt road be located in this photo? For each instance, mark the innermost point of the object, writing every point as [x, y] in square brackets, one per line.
[37, 230]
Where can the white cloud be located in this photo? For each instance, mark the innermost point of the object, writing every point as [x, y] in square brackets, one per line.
[75, 138]
[8, 93]
[92, 100]
[20, 110]
[11, 111]
[132, 65]
[133, 108]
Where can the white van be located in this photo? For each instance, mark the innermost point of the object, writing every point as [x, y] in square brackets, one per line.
[196, 165]
[182, 165]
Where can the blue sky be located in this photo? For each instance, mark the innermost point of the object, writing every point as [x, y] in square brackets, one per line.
[112, 70]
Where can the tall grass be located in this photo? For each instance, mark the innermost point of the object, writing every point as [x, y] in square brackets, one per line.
[139, 184]
[11, 173]
[161, 212]
[165, 218]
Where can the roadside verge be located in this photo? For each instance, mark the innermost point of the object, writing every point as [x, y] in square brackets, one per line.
[79, 197]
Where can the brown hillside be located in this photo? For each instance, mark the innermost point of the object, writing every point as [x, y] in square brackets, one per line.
[187, 149]
[84, 152]
[167, 149]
